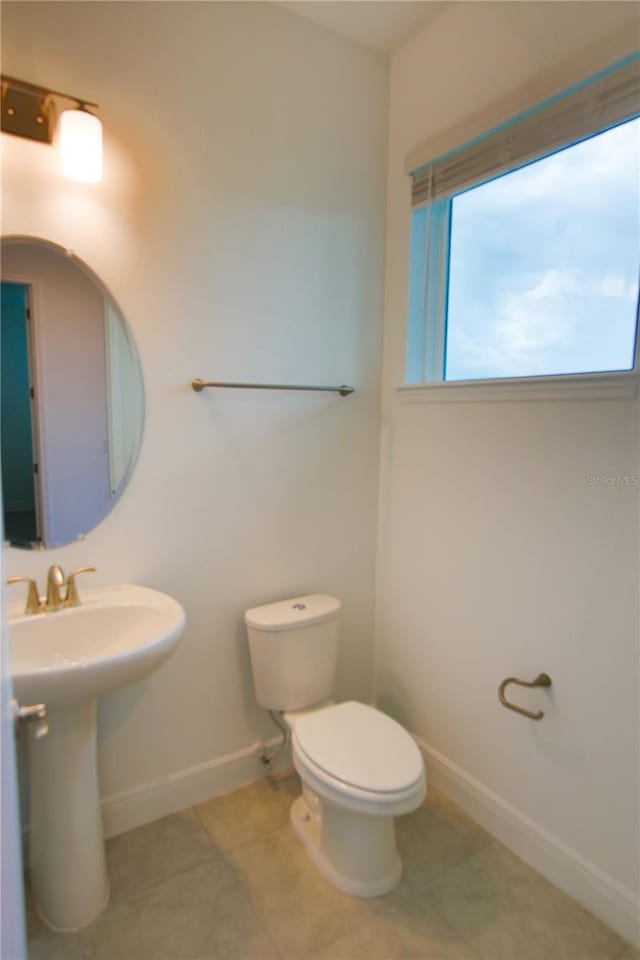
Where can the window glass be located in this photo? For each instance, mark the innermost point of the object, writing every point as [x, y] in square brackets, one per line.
[543, 267]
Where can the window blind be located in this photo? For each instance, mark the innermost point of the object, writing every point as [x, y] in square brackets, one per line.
[601, 102]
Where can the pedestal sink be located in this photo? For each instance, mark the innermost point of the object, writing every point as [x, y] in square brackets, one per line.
[65, 660]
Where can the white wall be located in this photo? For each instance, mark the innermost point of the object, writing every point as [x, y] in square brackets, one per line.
[240, 228]
[496, 555]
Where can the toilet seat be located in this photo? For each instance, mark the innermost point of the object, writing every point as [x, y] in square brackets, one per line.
[360, 747]
[359, 757]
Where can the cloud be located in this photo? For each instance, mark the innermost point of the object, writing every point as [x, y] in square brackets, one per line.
[611, 285]
[527, 325]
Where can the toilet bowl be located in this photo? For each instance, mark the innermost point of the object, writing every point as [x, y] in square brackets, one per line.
[359, 768]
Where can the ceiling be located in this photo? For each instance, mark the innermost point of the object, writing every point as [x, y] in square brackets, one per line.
[381, 25]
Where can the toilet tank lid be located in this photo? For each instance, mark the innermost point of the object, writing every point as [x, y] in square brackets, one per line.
[297, 612]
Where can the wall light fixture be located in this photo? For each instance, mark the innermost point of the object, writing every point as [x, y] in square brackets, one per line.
[30, 111]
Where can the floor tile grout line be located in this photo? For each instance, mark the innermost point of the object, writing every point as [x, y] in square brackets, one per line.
[327, 946]
[236, 882]
[533, 936]
[194, 810]
[178, 815]
[262, 910]
[447, 922]
[201, 826]
[321, 947]
[464, 832]
[275, 946]
[469, 943]
[243, 843]
[625, 946]
[437, 881]
[454, 929]
[158, 882]
[365, 920]
[427, 895]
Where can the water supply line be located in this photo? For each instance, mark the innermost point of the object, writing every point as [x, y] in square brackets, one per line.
[268, 756]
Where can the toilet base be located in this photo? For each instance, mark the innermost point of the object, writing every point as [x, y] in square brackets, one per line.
[355, 852]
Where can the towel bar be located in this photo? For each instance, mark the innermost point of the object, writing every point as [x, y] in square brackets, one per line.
[199, 385]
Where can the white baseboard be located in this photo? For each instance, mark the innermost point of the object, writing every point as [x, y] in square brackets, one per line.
[177, 791]
[615, 904]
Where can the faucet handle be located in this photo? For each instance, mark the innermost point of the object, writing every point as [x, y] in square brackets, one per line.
[34, 604]
[72, 599]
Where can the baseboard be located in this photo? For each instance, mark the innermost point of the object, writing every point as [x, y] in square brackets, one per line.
[615, 904]
[177, 791]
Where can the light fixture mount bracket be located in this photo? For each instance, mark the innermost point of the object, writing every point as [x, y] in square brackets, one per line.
[26, 113]
[29, 110]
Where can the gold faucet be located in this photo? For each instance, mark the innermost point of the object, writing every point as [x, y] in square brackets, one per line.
[55, 583]
[72, 599]
[55, 580]
[35, 604]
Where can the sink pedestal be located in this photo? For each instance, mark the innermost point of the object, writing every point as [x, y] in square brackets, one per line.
[66, 660]
[67, 854]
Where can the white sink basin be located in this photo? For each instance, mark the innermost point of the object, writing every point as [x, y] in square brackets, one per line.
[116, 636]
[66, 660]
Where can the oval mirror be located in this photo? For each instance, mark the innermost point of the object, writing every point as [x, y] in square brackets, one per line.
[72, 399]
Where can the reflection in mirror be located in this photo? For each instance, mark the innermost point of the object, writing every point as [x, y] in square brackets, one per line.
[72, 400]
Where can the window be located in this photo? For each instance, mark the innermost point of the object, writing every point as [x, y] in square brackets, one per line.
[525, 244]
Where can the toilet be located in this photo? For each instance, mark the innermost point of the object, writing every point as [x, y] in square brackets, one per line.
[359, 768]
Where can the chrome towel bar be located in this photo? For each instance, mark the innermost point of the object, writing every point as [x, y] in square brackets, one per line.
[199, 385]
[542, 680]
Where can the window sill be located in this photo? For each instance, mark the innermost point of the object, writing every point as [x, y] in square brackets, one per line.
[594, 386]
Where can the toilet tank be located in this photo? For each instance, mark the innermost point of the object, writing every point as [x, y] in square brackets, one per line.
[293, 646]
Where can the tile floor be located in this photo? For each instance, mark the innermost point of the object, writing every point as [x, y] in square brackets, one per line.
[228, 879]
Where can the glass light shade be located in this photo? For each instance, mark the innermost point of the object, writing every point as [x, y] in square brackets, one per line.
[80, 146]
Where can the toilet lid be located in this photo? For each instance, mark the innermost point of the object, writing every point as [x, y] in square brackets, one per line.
[360, 746]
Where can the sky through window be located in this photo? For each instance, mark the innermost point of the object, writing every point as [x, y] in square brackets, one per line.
[544, 264]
